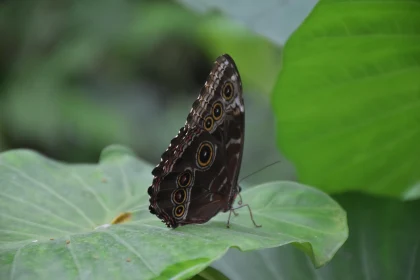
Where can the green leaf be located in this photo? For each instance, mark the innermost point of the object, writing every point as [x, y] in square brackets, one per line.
[219, 35]
[273, 19]
[55, 222]
[347, 100]
[384, 243]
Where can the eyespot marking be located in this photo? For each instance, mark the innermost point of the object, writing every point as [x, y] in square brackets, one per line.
[227, 91]
[184, 179]
[217, 111]
[205, 154]
[179, 196]
[208, 123]
[179, 211]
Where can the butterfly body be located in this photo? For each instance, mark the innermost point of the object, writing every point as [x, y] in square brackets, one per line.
[197, 176]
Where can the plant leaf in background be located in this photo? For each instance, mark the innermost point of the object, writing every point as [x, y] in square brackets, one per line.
[85, 82]
[347, 99]
[50, 213]
[257, 58]
[73, 77]
[384, 243]
[273, 19]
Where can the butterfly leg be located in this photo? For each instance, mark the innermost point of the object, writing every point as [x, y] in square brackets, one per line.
[239, 193]
[228, 221]
[250, 214]
[239, 202]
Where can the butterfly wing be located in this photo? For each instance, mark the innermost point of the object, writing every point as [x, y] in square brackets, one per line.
[198, 173]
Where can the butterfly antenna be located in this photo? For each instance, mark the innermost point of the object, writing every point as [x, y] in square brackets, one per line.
[261, 169]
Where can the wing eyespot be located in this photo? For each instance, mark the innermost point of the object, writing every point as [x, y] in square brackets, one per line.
[217, 111]
[205, 154]
[179, 196]
[227, 91]
[184, 179]
[179, 211]
[208, 123]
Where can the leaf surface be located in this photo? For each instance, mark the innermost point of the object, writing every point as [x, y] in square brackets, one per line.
[55, 222]
[384, 243]
[347, 100]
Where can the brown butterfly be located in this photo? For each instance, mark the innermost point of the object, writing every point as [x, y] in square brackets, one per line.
[197, 176]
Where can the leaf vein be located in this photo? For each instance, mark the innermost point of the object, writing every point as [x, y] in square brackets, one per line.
[44, 210]
[92, 191]
[130, 248]
[51, 191]
[21, 233]
[74, 258]
[32, 223]
[296, 225]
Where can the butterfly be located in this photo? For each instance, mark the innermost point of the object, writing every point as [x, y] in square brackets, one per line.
[197, 176]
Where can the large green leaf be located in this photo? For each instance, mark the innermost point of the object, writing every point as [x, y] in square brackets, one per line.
[347, 100]
[384, 243]
[54, 222]
[220, 35]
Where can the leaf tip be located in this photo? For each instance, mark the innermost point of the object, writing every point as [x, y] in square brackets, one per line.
[115, 150]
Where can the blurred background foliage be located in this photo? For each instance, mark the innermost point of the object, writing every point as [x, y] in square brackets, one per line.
[77, 76]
